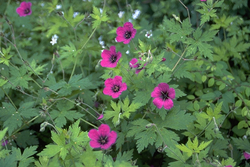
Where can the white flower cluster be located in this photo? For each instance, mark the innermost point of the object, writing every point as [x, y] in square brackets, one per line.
[54, 39]
[120, 14]
[136, 14]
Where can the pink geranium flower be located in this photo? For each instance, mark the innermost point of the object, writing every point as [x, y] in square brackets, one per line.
[163, 96]
[114, 87]
[24, 9]
[246, 155]
[229, 166]
[203, 0]
[110, 58]
[125, 33]
[133, 64]
[102, 138]
[163, 59]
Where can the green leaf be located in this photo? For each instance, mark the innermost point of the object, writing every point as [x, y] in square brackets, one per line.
[36, 69]
[2, 133]
[210, 82]
[24, 159]
[242, 144]
[183, 119]
[64, 113]
[4, 56]
[127, 109]
[18, 78]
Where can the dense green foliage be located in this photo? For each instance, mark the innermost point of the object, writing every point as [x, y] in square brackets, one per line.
[52, 95]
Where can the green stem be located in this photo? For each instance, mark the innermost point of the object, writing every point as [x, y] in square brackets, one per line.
[80, 107]
[89, 123]
[9, 98]
[81, 49]
[179, 59]
[25, 124]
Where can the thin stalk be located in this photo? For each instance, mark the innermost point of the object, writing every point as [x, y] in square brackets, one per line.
[9, 98]
[89, 123]
[80, 107]
[187, 10]
[179, 59]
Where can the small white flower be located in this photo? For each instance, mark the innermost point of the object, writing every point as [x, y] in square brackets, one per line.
[75, 14]
[101, 10]
[120, 14]
[54, 37]
[136, 14]
[58, 6]
[127, 52]
[42, 4]
[149, 34]
[53, 41]
[101, 43]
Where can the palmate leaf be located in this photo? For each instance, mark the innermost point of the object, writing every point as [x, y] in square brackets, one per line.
[64, 113]
[199, 43]
[179, 31]
[14, 118]
[243, 144]
[127, 109]
[36, 69]
[18, 78]
[24, 159]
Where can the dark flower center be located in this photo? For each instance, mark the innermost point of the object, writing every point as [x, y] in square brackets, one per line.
[27, 11]
[127, 34]
[113, 58]
[103, 140]
[164, 95]
[116, 88]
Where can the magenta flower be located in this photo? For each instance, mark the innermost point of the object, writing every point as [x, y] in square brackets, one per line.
[114, 87]
[163, 59]
[110, 58]
[203, 0]
[100, 117]
[125, 33]
[133, 64]
[246, 155]
[163, 96]
[102, 137]
[229, 166]
[24, 9]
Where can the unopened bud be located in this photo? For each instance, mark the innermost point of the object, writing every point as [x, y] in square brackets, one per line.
[149, 125]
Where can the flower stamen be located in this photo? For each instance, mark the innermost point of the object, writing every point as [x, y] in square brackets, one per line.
[127, 34]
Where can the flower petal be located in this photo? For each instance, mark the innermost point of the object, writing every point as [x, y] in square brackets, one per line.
[104, 130]
[168, 104]
[120, 39]
[123, 87]
[171, 93]
[108, 82]
[112, 49]
[133, 62]
[156, 92]
[115, 95]
[107, 91]
[112, 137]
[158, 102]
[105, 54]
[163, 87]
[94, 144]
[93, 134]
